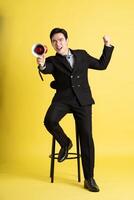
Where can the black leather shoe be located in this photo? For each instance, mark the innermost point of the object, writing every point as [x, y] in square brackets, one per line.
[91, 185]
[63, 153]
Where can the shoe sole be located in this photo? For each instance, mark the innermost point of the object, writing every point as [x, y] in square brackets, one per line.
[91, 190]
[70, 146]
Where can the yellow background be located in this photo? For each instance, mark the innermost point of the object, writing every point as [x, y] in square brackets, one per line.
[24, 98]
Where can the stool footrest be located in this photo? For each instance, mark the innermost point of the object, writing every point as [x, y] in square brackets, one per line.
[73, 156]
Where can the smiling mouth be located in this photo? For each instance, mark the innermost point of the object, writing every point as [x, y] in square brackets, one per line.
[58, 49]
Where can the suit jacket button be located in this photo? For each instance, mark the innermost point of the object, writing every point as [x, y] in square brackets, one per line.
[72, 86]
[78, 85]
[78, 76]
[71, 76]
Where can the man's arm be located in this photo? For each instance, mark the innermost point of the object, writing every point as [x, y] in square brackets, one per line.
[102, 63]
[45, 66]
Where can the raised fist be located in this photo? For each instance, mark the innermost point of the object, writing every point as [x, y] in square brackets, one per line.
[106, 39]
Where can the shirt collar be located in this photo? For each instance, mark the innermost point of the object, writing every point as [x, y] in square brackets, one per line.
[69, 54]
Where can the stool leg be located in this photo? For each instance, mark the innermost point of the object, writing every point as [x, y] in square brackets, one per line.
[52, 161]
[78, 156]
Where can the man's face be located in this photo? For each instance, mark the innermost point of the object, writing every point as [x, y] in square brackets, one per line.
[60, 43]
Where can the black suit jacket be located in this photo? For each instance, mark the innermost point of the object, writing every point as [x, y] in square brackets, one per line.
[70, 82]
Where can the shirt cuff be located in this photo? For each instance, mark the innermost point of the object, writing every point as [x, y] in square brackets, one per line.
[42, 67]
[109, 45]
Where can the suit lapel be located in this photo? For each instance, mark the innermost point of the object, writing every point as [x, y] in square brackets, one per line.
[63, 63]
[76, 59]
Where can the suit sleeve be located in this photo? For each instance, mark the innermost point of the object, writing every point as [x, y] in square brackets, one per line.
[102, 63]
[48, 67]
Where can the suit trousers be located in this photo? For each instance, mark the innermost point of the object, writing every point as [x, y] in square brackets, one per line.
[83, 125]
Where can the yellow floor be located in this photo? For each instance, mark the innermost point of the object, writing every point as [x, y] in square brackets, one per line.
[30, 181]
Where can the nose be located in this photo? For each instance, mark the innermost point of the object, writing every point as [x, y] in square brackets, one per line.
[58, 43]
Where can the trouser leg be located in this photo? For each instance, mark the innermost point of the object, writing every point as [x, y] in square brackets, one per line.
[83, 119]
[54, 114]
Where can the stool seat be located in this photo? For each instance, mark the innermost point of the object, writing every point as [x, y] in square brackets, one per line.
[54, 156]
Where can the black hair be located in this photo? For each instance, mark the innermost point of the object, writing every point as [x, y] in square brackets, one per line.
[58, 30]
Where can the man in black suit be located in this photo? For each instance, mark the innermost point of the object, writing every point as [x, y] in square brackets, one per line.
[73, 95]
